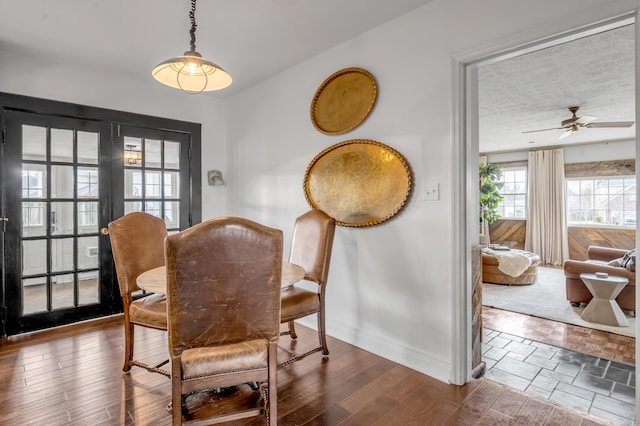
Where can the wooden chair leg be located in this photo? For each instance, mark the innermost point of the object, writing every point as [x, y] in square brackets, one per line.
[292, 330]
[322, 334]
[176, 394]
[273, 387]
[128, 346]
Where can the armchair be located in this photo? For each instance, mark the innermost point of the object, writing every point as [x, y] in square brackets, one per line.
[600, 259]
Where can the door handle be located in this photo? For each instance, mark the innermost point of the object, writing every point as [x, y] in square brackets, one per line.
[104, 231]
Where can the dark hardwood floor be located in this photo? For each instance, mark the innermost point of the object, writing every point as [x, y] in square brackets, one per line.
[72, 376]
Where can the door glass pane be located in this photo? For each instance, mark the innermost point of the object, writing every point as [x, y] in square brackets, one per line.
[88, 147]
[61, 218]
[34, 257]
[89, 290]
[152, 153]
[34, 178]
[87, 217]
[61, 181]
[132, 206]
[132, 183]
[171, 155]
[132, 151]
[87, 182]
[33, 223]
[62, 254]
[172, 214]
[154, 208]
[34, 295]
[87, 252]
[34, 143]
[62, 145]
[62, 291]
[172, 184]
[153, 184]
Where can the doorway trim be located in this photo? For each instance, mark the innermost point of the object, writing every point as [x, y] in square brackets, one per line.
[465, 161]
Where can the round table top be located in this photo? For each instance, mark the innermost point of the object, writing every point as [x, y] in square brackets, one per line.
[155, 280]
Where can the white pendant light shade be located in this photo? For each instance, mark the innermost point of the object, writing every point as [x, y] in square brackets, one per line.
[192, 74]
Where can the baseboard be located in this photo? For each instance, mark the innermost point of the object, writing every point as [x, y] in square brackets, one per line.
[425, 363]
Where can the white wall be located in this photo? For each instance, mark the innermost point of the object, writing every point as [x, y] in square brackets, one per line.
[390, 287]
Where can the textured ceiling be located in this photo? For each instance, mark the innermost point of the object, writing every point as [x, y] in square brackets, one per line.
[534, 91]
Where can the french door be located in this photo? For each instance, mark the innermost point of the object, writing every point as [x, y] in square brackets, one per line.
[155, 178]
[56, 201]
[63, 180]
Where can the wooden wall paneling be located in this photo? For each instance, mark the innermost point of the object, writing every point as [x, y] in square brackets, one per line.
[508, 232]
[580, 238]
[477, 364]
[601, 168]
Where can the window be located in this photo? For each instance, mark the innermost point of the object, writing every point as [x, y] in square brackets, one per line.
[601, 201]
[514, 193]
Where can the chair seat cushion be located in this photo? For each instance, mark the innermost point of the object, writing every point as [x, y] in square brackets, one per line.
[206, 361]
[150, 311]
[298, 302]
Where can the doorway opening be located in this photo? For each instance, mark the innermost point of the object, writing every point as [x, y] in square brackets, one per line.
[472, 132]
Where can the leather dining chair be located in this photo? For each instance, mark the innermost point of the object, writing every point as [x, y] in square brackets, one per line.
[137, 243]
[223, 298]
[311, 247]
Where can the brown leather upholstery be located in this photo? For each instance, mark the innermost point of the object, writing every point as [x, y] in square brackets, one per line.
[598, 257]
[223, 298]
[491, 273]
[310, 248]
[137, 243]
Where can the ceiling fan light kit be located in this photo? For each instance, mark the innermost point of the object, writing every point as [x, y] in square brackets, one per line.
[191, 73]
[573, 124]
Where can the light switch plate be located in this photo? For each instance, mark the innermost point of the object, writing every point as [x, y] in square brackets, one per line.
[430, 192]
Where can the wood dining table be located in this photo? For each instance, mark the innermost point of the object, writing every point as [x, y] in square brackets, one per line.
[155, 280]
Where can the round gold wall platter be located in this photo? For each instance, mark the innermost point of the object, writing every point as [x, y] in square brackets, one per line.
[359, 182]
[343, 101]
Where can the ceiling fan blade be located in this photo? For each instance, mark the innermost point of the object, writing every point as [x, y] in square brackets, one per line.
[586, 119]
[543, 130]
[612, 124]
[566, 133]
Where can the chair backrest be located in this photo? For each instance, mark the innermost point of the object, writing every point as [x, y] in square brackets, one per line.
[223, 283]
[312, 243]
[137, 243]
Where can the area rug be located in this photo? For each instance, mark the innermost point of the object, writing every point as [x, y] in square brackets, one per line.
[546, 298]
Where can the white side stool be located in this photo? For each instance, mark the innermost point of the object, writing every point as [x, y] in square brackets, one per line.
[603, 308]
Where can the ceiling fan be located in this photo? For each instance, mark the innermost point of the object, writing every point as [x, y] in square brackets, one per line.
[574, 123]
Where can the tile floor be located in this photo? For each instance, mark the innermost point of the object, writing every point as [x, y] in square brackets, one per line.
[587, 383]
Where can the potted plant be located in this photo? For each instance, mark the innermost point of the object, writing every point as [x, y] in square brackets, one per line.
[489, 196]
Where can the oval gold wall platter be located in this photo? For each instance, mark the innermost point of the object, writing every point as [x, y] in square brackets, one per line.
[343, 101]
[359, 182]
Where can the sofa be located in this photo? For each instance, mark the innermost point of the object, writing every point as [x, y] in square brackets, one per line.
[601, 259]
[492, 274]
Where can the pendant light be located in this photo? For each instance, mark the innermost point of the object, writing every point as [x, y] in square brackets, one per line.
[190, 72]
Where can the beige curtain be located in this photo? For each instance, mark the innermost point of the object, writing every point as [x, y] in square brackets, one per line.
[546, 229]
[484, 229]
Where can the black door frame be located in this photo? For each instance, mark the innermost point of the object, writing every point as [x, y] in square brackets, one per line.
[12, 102]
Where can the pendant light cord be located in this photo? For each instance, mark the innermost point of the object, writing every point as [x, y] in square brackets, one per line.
[192, 15]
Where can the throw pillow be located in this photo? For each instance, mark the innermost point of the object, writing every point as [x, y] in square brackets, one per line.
[629, 260]
[615, 262]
